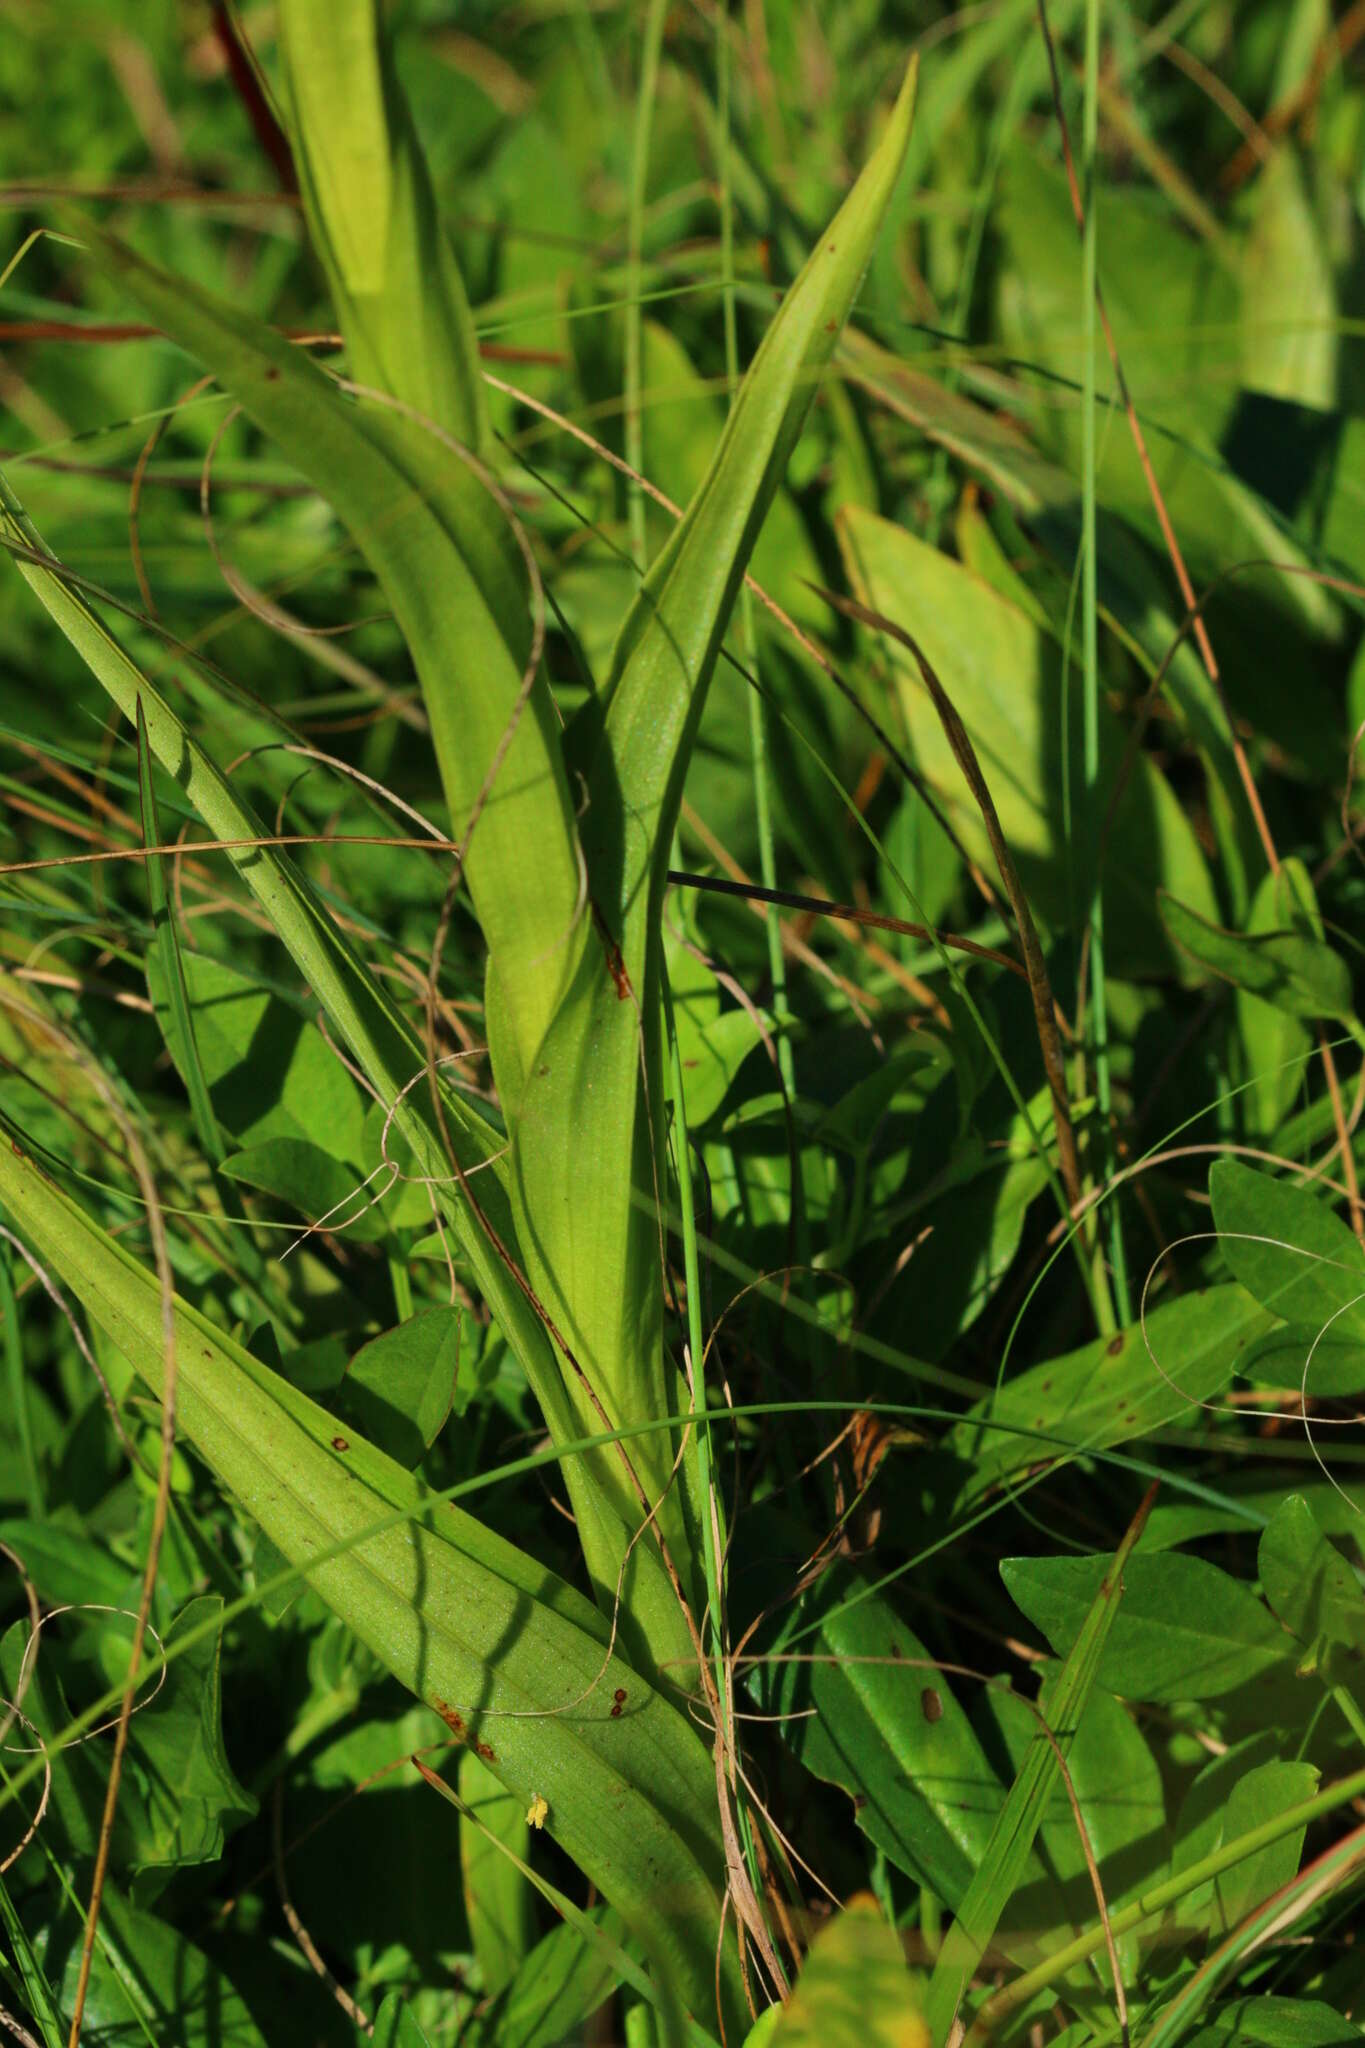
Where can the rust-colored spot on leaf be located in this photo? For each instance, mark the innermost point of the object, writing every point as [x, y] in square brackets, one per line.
[931, 1703]
[620, 1695]
[486, 1751]
[454, 1722]
[339, 1443]
[616, 966]
[1115, 1345]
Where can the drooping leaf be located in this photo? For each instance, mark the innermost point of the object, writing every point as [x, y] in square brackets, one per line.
[1296, 973]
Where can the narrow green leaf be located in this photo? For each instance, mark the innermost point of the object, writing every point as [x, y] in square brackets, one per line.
[373, 218]
[587, 1212]
[1107, 1392]
[445, 554]
[498, 1900]
[1007, 1853]
[168, 947]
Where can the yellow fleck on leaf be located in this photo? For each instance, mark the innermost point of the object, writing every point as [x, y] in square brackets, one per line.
[536, 1812]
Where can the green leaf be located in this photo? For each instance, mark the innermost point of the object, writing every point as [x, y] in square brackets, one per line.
[373, 218]
[587, 1212]
[456, 581]
[1274, 1041]
[171, 969]
[1289, 1250]
[1003, 675]
[323, 1190]
[1117, 1785]
[1186, 1630]
[498, 1646]
[561, 1984]
[498, 1900]
[268, 1069]
[395, 2027]
[1295, 973]
[1269, 2021]
[1335, 1363]
[1226, 1801]
[1010, 1848]
[854, 1990]
[1310, 1586]
[1107, 1392]
[150, 1982]
[865, 1709]
[1289, 303]
[192, 1793]
[399, 1387]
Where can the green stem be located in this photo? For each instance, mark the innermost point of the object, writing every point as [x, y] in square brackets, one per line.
[748, 634]
[1168, 1893]
[639, 174]
[18, 1391]
[1099, 1014]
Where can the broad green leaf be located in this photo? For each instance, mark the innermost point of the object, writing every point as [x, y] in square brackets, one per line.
[1109, 1391]
[399, 1387]
[854, 1990]
[587, 1212]
[498, 1901]
[149, 1982]
[193, 1797]
[373, 218]
[1310, 1586]
[1003, 675]
[1267, 2020]
[1295, 973]
[1010, 1849]
[268, 1069]
[1186, 1631]
[1289, 303]
[1289, 1250]
[865, 1709]
[1273, 1039]
[1227, 1800]
[318, 1186]
[66, 1562]
[470, 1624]
[1335, 1363]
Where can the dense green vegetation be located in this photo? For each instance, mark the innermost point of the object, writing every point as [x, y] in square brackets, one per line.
[682, 1306]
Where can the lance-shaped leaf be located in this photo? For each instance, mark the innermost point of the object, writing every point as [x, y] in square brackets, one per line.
[511, 1657]
[362, 1014]
[441, 544]
[589, 1146]
[373, 219]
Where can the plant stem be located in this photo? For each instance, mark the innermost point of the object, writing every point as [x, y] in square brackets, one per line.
[748, 634]
[1099, 1014]
[639, 175]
